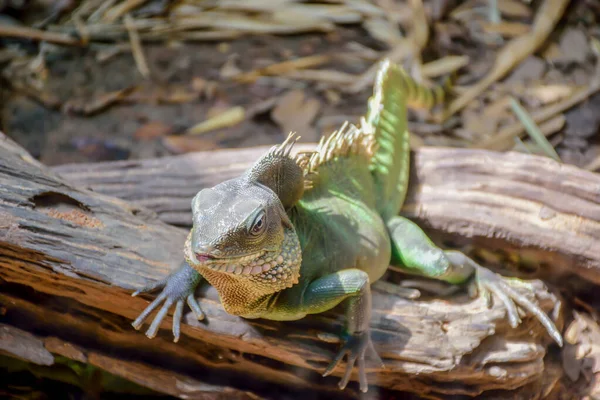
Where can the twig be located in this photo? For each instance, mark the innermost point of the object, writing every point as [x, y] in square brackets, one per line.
[122, 9]
[36, 34]
[514, 52]
[227, 118]
[408, 47]
[533, 130]
[136, 47]
[503, 140]
[283, 67]
[443, 66]
[321, 75]
[99, 12]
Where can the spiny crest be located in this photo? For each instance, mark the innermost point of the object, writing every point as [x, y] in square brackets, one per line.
[391, 83]
[285, 148]
[346, 141]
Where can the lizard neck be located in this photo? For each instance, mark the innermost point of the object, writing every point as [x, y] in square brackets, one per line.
[237, 296]
[242, 289]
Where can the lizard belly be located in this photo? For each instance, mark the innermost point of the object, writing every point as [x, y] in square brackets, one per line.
[371, 247]
[354, 236]
[362, 243]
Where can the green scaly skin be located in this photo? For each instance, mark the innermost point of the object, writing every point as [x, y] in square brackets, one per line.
[277, 248]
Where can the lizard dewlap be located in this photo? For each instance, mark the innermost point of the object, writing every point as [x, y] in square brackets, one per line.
[298, 235]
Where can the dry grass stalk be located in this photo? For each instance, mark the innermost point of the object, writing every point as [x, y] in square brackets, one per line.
[39, 35]
[514, 52]
[225, 119]
[284, 67]
[503, 140]
[136, 47]
[411, 46]
[122, 9]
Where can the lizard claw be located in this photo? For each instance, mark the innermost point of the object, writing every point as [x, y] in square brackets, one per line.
[488, 283]
[356, 348]
[178, 288]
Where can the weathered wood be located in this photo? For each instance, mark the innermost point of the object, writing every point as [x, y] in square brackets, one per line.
[43, 352]
[547, 212]
[69, 259]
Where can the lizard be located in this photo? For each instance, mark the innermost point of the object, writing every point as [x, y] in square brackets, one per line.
[301, 234]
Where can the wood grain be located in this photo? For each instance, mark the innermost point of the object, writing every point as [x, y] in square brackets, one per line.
[69, 258]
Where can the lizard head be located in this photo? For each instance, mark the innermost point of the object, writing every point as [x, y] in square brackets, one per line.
[242, 236]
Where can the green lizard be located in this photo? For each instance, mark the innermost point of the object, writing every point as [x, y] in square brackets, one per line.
[294, 236]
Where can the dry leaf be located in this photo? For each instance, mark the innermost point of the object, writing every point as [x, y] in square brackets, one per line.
[514, 52]
[186, 144]
[531, 69]
[506, 29]
[219, 108]
[254, 5]
[552, 52]
[322, 75]
[333, 97]
[199, 84]
[366, 8]
[230, 69]
[339, 14]
[97, 104]
[477, 125]
[584, 121]
[582, 352]
[384, 30]
[498, 109]
[225, 119]
[295, 113]
[443, 66]
[546, 94]
[574, 46]
[283, 67]
[514, 8]
[152, 130]
[504, 138]
[223, 47]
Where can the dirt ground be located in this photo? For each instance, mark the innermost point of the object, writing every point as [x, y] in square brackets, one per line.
[188, 83]
[58, 137]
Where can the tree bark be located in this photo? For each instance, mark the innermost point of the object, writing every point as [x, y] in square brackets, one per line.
[70, 257]
[543, 214]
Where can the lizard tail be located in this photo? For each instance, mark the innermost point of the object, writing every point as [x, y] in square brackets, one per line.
[386, 118]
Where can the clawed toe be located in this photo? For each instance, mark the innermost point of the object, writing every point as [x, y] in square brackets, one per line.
[504, 290]
[355, 348]
[178, 289]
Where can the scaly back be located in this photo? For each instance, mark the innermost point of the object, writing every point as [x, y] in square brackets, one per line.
[381, 142]
[386, 118]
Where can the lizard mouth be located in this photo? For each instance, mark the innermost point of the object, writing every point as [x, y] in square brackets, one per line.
[203, 257]
[250, 264]
[269, 264]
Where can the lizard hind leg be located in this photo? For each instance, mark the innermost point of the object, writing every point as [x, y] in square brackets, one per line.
[492, 285]
[415, 253]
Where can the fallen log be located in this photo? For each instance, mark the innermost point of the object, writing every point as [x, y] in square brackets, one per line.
[544, 214]
[70, 257]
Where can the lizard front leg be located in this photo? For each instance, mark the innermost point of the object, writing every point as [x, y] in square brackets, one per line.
[415, 253]
[353, 287]
[178, 287]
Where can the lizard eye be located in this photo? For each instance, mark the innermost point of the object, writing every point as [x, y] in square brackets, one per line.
[259, 224]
